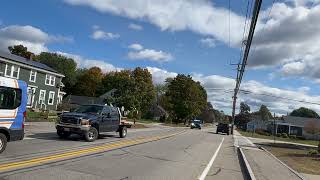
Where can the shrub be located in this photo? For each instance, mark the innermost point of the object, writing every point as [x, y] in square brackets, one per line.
[313, 152]
[284, 135]
[262, 132]
[292, 136]
[278, 135]
[301, 138]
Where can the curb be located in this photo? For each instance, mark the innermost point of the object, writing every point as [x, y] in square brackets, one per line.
[247, 165]
[292, 170]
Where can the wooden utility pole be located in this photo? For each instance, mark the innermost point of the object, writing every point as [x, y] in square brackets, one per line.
[242, 65]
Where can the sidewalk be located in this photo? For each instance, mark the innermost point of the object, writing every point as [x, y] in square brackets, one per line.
[263, 165]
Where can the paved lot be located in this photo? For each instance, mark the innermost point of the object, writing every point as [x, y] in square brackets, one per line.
[183, 155]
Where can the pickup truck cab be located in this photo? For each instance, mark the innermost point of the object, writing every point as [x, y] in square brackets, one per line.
[90, 121]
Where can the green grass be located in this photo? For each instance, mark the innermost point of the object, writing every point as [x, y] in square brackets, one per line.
[146, 121]
[296, 158]
[255, 135]
[36, 117]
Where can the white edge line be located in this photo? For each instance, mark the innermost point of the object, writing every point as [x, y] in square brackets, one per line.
[252, 177]
[206, 170]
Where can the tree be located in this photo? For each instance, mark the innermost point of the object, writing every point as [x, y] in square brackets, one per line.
[63, 65]
[304, 112]
[134, 89]
[244, 108]
[144, 89]
[21, 50]
[186, 98]
[313, 127]
[264, 113]
[208, 114]
[88, 82]
[244, 115]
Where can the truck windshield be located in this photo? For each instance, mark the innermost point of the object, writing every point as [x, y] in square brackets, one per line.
[10, 98]
[89, 109]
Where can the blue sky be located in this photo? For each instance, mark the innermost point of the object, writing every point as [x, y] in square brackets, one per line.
[188, 37]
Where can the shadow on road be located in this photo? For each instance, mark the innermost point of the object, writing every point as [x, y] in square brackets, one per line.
[73, 137]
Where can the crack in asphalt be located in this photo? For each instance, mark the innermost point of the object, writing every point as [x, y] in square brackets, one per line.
[149, 157]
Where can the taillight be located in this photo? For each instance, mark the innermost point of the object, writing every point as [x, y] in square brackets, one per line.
[24, 118]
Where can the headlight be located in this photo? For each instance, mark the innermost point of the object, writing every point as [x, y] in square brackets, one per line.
[192, 124]
[84, 122]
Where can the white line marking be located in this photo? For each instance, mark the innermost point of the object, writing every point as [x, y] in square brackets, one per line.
[206, 170]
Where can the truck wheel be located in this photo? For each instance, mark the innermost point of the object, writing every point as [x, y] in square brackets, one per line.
[123, 132]
[63, 134]
[91, 135]
[3, 142]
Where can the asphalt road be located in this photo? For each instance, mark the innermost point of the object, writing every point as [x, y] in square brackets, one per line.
[151, 153]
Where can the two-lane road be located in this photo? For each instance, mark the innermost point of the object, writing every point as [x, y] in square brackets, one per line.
[152, 153]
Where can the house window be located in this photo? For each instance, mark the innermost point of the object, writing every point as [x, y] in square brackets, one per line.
[33, 76]
[51, 97]
[50, 80]
[42, 96]
[12, 71]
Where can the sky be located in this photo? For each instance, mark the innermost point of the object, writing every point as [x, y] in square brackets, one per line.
[202, 38]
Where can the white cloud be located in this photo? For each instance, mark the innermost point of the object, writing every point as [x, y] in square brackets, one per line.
[208, 42]
[136, 27]
[199, 16]
[99, 34]
[160, 75]
[139, 53]
[290, 40]
[88, 63]
[220, 92]
[33, 38]
[136, 46]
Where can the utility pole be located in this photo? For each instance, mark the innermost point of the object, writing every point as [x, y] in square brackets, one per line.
[242, 65]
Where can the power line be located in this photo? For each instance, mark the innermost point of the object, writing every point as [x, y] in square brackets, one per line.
[241, 68]
[279, 97]
[229, 23]
[264, 26]
[245, 28]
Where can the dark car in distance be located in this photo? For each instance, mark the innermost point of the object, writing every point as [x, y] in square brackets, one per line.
[196, 124]
[91, 120]
[223, 128]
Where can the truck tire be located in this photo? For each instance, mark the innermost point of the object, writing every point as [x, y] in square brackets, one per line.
[123, 131]
[3, 142]
[63, 134]
[91, 135]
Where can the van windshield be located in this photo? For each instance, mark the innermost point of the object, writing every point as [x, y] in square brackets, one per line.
[10, 98]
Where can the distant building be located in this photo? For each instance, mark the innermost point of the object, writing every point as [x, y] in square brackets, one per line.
[44, 83]
[295, 126]
[290, 125]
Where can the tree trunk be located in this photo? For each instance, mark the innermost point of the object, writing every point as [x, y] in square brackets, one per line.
[185, 121]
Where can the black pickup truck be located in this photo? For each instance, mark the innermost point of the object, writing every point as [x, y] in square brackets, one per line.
[90, 121]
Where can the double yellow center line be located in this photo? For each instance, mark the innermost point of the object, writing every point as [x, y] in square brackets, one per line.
[77, 153]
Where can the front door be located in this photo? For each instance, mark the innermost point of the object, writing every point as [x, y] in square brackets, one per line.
[30, 92]
[105, 120]
[115, 118]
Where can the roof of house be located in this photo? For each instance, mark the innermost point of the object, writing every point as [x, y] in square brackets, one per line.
[108, 94]
[25, 61]
[299, 121]
[83, 100]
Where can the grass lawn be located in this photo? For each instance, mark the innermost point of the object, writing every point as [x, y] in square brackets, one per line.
[255, 135]
[36, 117]
[296, 157]
[146, 121]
